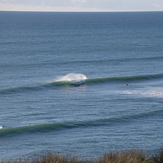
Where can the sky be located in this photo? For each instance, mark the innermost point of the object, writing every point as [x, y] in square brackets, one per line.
[81, 5]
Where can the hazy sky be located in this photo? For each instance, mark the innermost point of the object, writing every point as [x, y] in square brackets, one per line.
[81, 5]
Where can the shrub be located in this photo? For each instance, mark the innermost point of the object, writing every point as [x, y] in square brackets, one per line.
[158, 158]
[132, 156]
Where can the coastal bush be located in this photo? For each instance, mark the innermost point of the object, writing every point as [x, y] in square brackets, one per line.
[158, 158]
[131, 156]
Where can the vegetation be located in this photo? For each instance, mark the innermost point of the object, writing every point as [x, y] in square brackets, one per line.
[131, 156]
[158, 158]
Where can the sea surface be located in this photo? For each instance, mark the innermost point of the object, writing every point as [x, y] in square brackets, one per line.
[80, 84]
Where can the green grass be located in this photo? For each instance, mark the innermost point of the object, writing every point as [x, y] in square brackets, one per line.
[131, 156]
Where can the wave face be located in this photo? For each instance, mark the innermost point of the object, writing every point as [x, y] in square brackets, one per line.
[44, 128]
[126, 78]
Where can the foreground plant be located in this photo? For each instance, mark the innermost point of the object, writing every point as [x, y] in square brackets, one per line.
[158, 158]
[131, 156]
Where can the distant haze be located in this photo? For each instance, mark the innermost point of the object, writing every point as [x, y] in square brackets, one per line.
[81, 5]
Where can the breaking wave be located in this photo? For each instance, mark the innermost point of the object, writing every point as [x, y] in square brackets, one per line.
[73, 79]
[67, 79]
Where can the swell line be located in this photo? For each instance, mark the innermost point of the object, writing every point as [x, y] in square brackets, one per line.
[126, 78]
[87, 81]
[20, 89]
[43, 128]
[108, 79]
[92, 61]
[36, 87]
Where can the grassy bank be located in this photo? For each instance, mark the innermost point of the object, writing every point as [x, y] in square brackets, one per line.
[131, 156]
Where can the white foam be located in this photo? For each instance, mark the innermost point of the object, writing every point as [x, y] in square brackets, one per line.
[1, 127]
[72, 77]
[150, 93]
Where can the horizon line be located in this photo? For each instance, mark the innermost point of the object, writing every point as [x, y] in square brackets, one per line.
[81, 11]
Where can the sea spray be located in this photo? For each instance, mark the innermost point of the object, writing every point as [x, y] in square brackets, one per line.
[71, 77]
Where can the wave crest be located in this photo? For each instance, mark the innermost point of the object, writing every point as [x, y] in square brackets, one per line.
[71, 77]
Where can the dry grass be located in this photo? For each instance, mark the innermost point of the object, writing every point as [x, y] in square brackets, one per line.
[158, 158]
[131, 156]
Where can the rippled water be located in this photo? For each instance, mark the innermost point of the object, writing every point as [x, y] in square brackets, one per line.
[80, 83]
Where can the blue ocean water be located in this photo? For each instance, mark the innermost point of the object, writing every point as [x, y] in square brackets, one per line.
[82, 84]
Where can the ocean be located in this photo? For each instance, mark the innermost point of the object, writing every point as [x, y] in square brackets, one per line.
[80, 84]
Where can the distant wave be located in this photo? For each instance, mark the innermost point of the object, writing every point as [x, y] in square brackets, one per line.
[91, 61]
[70, 79]
[77, 124]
